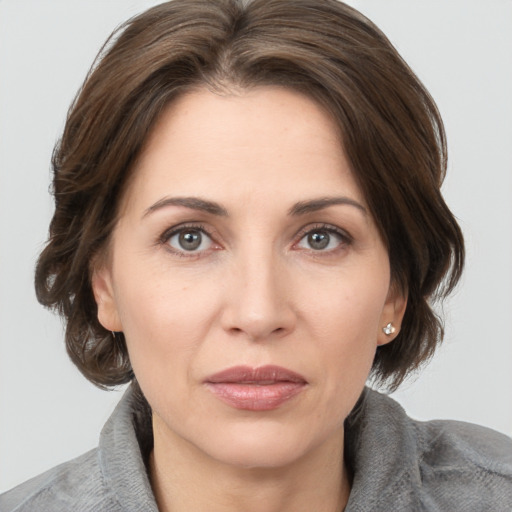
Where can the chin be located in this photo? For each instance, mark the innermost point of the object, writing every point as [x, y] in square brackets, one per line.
[262, 445]
[258, 455]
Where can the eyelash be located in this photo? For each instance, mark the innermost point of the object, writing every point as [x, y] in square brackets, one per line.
[345, 238]
[175, 230]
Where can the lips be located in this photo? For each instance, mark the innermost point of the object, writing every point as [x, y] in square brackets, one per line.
[256, 389]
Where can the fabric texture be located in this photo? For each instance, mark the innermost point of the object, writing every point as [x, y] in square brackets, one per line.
[398, 465]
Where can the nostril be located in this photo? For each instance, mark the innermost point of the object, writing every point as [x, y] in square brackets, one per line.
[258, 334]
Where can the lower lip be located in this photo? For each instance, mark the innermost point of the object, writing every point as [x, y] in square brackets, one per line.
[254, 397]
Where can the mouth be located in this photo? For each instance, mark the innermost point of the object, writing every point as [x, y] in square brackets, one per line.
[256, 389]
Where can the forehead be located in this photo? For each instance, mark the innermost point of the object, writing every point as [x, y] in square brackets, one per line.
[267, 140]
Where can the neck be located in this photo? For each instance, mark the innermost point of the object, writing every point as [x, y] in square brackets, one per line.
[183, 480]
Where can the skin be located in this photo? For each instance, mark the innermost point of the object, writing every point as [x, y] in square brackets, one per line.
[258, 290]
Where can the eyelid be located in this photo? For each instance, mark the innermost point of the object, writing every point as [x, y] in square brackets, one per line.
[164, 238]
[169, 232]
[347, 239]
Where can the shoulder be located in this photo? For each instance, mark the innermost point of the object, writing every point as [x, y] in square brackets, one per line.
[110, 478]
[402, 464]
[461, 461]
[75, 485]
[458, 443]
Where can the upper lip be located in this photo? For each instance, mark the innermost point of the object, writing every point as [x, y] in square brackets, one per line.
[267, 374]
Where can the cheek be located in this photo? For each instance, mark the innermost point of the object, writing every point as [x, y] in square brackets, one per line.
[345, 321]
[347, 309]
[164, 318]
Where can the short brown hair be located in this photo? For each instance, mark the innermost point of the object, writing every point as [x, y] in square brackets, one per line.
[391, 130]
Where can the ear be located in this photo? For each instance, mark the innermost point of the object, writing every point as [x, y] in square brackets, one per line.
[393, 312]
[103, 290]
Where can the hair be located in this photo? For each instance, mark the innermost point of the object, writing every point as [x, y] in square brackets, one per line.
[391, 130]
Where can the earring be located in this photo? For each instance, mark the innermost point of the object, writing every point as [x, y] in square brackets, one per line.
[389, 329]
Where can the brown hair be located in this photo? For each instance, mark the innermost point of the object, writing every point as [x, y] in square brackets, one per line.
[392, 134]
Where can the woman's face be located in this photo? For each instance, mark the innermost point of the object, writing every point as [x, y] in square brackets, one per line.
[244, 244]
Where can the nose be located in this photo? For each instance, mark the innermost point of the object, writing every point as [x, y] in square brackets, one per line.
[259, 299]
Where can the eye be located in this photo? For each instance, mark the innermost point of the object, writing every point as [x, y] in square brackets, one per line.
[188, 239]
[323, 239]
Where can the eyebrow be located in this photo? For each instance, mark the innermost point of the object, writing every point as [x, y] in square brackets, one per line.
[300, 208]
[194, 203]
[314, 205]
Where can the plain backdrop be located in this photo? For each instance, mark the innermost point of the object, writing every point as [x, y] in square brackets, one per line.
[461, 49]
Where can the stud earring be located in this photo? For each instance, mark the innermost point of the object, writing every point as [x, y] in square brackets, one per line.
[389, 329]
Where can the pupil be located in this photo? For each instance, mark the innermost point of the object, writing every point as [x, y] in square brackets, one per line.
[190, 240]
[318, 241]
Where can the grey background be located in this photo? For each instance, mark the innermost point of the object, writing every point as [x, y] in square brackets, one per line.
[461, 49]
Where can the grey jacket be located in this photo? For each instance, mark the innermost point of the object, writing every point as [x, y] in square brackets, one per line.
[398, 465]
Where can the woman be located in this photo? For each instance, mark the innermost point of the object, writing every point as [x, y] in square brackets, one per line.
[248, 222]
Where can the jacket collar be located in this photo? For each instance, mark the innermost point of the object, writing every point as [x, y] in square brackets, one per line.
[121, 460]
[381, 450]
